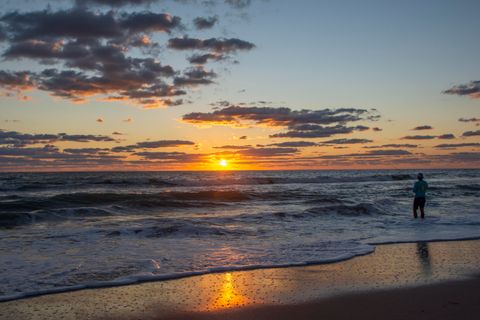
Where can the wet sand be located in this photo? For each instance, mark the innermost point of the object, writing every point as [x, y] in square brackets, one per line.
[417, 281]
[449, 300]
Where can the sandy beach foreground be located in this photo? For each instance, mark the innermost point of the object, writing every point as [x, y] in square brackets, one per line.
[436, 280]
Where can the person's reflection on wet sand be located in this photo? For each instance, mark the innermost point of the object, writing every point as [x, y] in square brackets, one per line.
[423, 255]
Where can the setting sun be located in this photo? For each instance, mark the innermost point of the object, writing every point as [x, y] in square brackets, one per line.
[223, 163]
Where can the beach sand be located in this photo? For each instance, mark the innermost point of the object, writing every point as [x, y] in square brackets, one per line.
[435, 280]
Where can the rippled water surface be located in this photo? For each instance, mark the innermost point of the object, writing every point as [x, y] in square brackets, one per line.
[61, 231]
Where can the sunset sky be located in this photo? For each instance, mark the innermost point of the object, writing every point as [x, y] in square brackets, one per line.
[260, 84]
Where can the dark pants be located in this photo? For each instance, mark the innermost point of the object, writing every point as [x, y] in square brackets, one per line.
[419, 203]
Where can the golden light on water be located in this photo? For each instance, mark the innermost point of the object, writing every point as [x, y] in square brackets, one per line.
[228, 295]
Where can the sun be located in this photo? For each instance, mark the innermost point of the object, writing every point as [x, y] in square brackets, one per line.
[223, 163]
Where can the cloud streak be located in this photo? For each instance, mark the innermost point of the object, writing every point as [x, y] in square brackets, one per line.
[425, 127]
[213, 44]
[295, 144]
[17, 139]
[474, 120]
[446, 136]
[153, 145]
[471, 133]
[457, 145]
[471, 89]
[346, 141]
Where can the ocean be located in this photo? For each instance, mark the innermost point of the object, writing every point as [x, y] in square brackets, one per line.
[67, 231]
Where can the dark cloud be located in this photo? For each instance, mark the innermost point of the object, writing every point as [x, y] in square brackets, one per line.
[471, 89]
[83, 138]
[204, 58]
[471, 133]
[473, 156]
[425, 127]
[268, 152]
[397, 152]
[231, 147]
[16, 80]
[138, 79]
[51, 152]
[79, 23]
[149, 22]
[361, 128]
[377, 129]
[301, 123]
[205, 22]
[89, 53]
[392, 145]
[45, 151]
[317, 131]
[170, 157]
[243, 138]
[477, 120]
[153, 145]
[86, 150]
[164, 143]
[114, 3]
[18, 139]
[459, 157]
[278, 117]
[345, 141]
[36, 49]
[457, 145]
[446, 136]
[418, 137]
[212, 44]
[74, 23]
[294, 144]
[257, 152]
[473, 120]
[15, 151]
[50, 156]
[371, 153]
[194, 77]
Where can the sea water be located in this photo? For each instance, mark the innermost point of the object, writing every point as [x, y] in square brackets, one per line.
[65, 231]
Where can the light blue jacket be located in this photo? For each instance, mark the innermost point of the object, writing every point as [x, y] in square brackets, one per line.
[420, 188]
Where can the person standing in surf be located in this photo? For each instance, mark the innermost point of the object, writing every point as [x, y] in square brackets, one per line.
[419, 188]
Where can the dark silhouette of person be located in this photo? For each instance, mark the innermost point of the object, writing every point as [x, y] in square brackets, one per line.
[419, 188]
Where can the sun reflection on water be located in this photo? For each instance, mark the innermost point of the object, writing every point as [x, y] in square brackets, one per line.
[229, 295]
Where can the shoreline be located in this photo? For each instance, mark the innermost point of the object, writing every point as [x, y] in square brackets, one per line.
[390, 267]
[173, 277]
